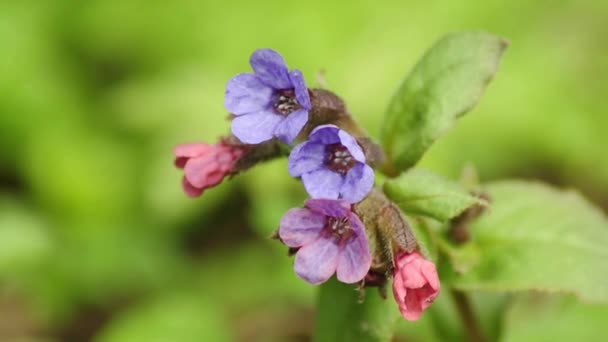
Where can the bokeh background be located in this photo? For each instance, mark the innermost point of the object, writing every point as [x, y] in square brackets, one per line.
[97, 240]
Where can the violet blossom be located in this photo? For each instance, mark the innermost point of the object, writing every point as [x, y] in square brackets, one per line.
[332, 165]
[330, 238]
[271, 102]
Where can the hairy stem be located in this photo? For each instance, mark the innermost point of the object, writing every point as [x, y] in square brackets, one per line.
[341, 316]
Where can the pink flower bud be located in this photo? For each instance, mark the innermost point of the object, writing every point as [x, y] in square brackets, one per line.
[205, 166]
[415, 284]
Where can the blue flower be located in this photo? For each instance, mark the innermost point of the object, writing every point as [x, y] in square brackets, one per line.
[271, 102]
[332, 165]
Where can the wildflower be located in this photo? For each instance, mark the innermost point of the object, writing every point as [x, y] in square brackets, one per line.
[330, 238]
[270, 102]
[415, 284]
[205, 166]
[332, 165]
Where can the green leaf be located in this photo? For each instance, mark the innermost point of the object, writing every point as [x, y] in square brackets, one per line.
[340, 317]
[181, 317]
[423, 193]
[24, 239]
[446, 83]
[538, 238]
[551, 318]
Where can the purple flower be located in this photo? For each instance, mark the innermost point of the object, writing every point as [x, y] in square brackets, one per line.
[330, 238]
[271, 102]
[332, 165]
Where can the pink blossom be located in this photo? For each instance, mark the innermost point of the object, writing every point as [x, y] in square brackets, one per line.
[415, 284]
[205, 165]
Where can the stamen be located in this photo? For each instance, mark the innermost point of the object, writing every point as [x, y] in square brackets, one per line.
[286, 102]
[339, 227]
[339, 159]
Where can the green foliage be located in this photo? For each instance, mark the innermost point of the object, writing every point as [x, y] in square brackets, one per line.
[423, 193]
[538, 238]
[24, 239]
[445, 84]
[550, 318]
[340, 316]
[187, 318]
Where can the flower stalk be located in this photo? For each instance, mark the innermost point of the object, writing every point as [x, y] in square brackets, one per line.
[341, 316]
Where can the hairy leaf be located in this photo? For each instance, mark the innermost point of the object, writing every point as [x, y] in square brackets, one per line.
[535, 237]
[446, 83]
[424, 193]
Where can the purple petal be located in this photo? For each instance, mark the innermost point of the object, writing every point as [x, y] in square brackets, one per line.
[358, 183]
[297, 80]
[316, 262]
[306, 157]
[245, 93]
[270, 68]
[300, 226]
[352, 145]
[255, 128]
[329, 207]
[354, 260]
[325, 134]
[289, 129]
[323, 183]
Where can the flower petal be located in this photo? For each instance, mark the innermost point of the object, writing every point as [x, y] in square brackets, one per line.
[191, 150]
[289, 128]
[415, 285]
[399, 291]
[189, 189]
[306, 157]
[245, 93]
[270, 68]
[325, 134]
[429, 271]
[412, 307]
[255, 128]
[180, 162]
[202, 172]
[329, 207]
[355, 259]
[297, 80]
[316, 262]
[323, 183]
[300, 226]
[358, 182]
[352, 145]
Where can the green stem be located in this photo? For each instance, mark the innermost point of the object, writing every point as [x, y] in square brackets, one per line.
[340, 316]
[465, 309]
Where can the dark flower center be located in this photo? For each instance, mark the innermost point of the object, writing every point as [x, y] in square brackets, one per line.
[339, 159]
[339, 227]
[286, 102]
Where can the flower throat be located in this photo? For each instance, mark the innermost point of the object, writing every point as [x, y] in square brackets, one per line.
[339, 159]
[286, 102]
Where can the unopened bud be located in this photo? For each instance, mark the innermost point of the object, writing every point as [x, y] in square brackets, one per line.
[388, 231]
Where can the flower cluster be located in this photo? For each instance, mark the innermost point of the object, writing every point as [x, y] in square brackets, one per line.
[271, 110]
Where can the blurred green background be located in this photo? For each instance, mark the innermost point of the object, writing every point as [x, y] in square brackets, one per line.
[97, 240]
